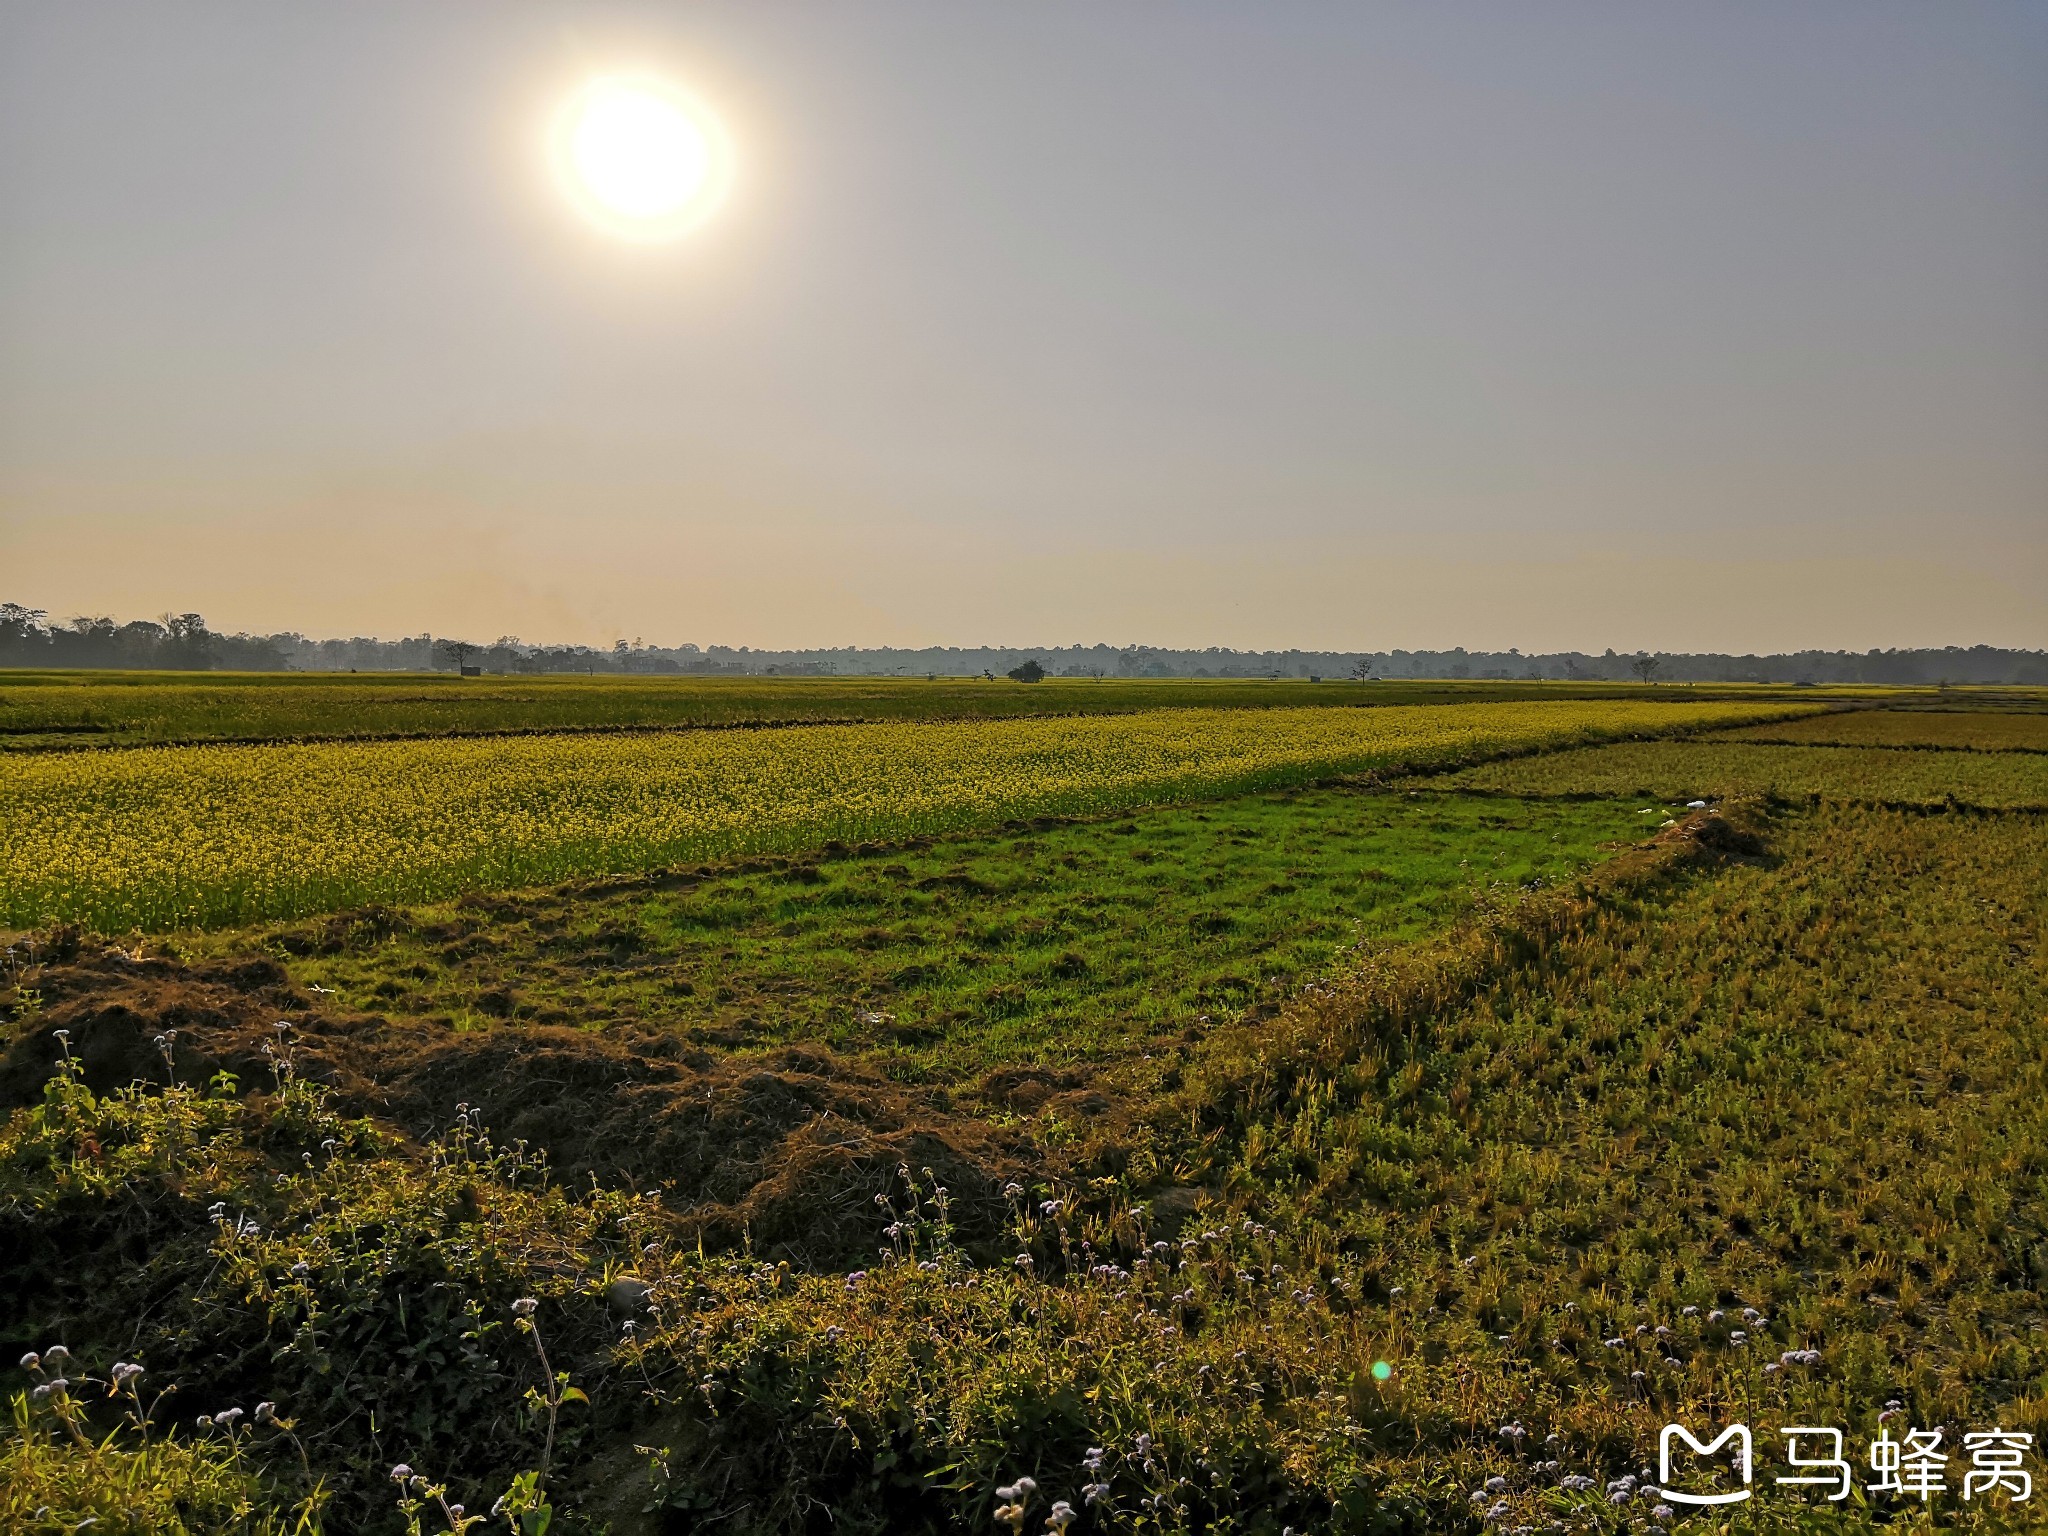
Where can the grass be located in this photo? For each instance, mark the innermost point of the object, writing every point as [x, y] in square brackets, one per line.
[45, 709]
[947, 960]
[1690, 769]
[181, 837]
[1968, 731]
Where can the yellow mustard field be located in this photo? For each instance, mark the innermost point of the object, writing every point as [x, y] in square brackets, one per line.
[193, 836]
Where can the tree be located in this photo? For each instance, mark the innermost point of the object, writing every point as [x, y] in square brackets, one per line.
[455, 652]
[1362, 672]
[1030, 672]
[189, 643]
[1645, 666]
[24, 635]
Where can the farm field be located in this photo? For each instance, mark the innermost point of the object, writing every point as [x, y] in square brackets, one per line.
[1233, 1150]
[1718, 768]
[202, 835]
[1960, 731]
[946, 959]
[45, 710]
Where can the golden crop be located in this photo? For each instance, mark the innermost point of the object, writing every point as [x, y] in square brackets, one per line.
[188, 836]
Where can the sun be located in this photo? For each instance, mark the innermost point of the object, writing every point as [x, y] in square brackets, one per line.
[641, 159]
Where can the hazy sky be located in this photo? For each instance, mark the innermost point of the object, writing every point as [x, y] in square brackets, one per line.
[1340, 325]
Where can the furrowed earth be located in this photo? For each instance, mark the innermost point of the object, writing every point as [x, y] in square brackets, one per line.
[1390, 1151]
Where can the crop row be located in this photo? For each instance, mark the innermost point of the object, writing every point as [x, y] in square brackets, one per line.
[42, 710]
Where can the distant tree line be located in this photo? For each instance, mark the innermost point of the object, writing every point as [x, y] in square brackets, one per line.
[28, 638]
[175, 642]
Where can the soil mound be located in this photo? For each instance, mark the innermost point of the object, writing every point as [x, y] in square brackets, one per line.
[784, 1152]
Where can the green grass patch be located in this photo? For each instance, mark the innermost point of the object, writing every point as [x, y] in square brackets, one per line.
[1685, 770]
[1060, 944]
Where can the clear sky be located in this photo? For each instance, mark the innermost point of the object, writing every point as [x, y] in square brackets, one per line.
[1715, 326]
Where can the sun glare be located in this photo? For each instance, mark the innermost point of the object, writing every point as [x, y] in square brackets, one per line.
[641, 159]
